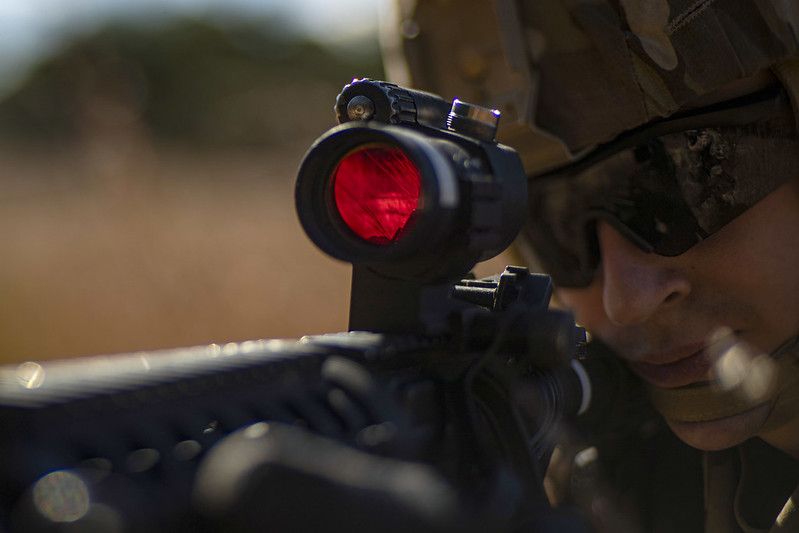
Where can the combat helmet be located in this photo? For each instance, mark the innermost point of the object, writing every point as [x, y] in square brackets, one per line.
[569, 75]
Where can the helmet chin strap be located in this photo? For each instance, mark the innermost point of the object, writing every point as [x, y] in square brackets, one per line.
[710, 401]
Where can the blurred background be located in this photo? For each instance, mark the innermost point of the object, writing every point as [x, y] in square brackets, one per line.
[147, 157]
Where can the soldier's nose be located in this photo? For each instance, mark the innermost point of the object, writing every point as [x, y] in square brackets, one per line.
[636, 284]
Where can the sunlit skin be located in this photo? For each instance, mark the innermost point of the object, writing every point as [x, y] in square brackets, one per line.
[655, 311]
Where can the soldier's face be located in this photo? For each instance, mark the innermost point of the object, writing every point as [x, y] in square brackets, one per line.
[659, 312]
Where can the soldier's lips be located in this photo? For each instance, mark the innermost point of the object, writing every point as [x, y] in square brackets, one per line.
[676, 367]
[723, 432]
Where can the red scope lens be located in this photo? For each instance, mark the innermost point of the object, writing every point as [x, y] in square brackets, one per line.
[376, 190]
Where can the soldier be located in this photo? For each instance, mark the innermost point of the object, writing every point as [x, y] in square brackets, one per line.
[661, 141]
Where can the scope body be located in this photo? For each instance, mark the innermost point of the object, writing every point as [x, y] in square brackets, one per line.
[413, 191]
[443, 193]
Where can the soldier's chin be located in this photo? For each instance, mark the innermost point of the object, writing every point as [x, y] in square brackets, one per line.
[721, 433]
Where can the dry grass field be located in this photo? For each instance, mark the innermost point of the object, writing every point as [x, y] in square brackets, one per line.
[123, 247]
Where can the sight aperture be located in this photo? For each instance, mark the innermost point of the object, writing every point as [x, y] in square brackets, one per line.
[376, 190]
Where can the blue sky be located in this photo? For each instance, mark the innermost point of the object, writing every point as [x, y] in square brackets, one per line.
[29, 28]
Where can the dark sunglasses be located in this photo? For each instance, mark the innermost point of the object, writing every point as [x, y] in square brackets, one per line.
[665, 187]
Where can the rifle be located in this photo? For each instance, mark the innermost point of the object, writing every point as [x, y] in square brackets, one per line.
[438, 409]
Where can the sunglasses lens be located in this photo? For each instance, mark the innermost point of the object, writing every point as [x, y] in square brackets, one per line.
[665, 195]
[559, 235]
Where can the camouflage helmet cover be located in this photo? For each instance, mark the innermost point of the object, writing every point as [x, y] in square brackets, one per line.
[571, 74]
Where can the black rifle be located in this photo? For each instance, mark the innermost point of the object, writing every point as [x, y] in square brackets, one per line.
[438, 411]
